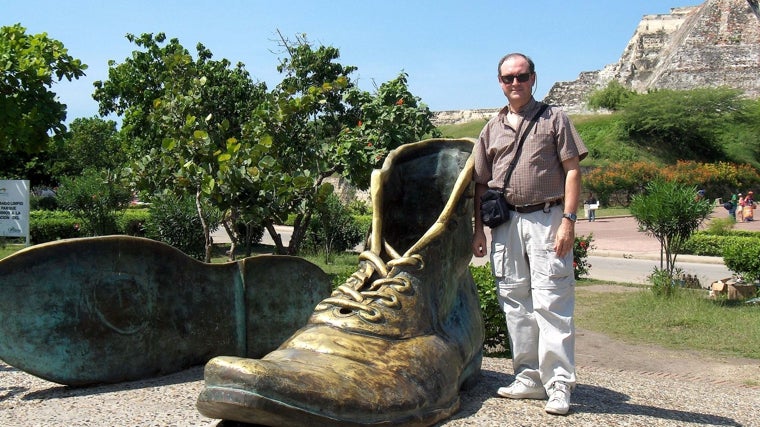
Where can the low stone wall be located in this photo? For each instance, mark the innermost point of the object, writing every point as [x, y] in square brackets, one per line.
[455, 117]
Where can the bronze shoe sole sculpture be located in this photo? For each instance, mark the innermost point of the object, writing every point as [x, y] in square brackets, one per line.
[397, 341]
[119, 308]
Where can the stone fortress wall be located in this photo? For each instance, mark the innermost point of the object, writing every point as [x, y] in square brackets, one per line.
[452, 117]
[713, 44]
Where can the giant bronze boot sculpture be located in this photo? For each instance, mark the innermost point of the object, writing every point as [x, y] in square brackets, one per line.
[394, 344]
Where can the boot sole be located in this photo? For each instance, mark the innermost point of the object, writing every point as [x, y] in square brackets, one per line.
[242, 406]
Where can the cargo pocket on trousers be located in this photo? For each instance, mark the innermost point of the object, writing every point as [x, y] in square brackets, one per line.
[546, 263]
[498, 258]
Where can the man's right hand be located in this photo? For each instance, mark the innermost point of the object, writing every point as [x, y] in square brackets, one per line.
[479, 236]
[479, 244]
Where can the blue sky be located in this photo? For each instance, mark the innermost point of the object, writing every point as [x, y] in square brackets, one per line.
[450, 49]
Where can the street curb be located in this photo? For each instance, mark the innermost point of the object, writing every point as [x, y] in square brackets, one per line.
[696, 259]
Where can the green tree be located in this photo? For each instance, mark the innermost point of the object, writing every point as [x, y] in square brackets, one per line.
[95, 197]
[91, 143]
[390, 117]
[163, 70]
[183, 114]
[612, 97]
[670, 212]
[292, 138]
[315, 120]
[267, 158]
[683, 123]
[741, 136]
[32, 166]
[29, 111]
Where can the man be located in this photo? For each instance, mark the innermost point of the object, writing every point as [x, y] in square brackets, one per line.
[532, 253]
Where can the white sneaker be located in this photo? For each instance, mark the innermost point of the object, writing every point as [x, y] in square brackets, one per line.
[518, 390]
[559, 399]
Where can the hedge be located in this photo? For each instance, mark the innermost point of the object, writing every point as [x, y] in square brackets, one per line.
[47, 226]
[706, 244]
[740, 250]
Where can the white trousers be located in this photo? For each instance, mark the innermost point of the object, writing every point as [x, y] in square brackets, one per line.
[537, 293]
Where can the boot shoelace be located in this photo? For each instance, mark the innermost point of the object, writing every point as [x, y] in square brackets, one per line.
[368, 300]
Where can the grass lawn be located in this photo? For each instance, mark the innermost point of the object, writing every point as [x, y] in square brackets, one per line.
[688, 320]
[9, 249]
[604, 212]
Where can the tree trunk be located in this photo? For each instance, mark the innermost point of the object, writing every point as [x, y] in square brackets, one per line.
[233, 235]
[279, 249]
[206, 232]
[299, 231]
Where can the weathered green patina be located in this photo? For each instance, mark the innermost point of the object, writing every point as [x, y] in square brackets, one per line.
[118, 308]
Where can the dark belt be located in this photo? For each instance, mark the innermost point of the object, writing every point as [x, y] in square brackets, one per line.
[536, 207]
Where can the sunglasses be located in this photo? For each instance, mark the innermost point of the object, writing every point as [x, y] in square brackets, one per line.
[522, 78]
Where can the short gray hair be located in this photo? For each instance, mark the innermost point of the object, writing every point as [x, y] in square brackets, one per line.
[531, 65]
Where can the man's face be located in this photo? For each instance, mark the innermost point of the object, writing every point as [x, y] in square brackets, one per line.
[518, 93]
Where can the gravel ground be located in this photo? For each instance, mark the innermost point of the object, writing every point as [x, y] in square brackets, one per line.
[604, 397]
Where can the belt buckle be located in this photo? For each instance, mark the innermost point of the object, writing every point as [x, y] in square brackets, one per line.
[523, 208]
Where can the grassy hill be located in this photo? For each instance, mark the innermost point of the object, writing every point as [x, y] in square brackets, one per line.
[598, 133]
[606, 144]
[464, 130]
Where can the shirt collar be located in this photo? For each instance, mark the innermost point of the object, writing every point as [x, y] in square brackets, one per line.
[527, 108]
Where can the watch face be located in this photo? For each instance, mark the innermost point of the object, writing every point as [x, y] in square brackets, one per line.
[571, 217]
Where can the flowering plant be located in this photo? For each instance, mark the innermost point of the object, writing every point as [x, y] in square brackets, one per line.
[580, 255]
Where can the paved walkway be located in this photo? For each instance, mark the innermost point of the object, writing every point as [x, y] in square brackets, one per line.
[618, 236]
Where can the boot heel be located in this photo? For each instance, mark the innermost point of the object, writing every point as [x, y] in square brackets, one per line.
[118, 308]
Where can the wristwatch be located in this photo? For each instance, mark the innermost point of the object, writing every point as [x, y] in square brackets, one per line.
[571, 216]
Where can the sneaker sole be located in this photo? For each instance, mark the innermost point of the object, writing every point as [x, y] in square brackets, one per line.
[535, 396]
[557, 411]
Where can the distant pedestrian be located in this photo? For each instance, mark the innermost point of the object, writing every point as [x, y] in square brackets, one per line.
[734, 203]
[591, 205]
[748, 211]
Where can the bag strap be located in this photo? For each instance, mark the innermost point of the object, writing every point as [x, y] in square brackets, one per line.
[524, 135]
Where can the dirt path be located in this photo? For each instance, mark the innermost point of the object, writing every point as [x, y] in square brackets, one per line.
[594, 349]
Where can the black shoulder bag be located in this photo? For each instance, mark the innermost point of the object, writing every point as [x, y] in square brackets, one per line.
[494, 210]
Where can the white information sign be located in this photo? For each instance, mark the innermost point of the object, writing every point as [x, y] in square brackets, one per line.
[14, 208]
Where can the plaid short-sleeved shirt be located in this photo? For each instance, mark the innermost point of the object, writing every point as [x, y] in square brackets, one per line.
[538, 176]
